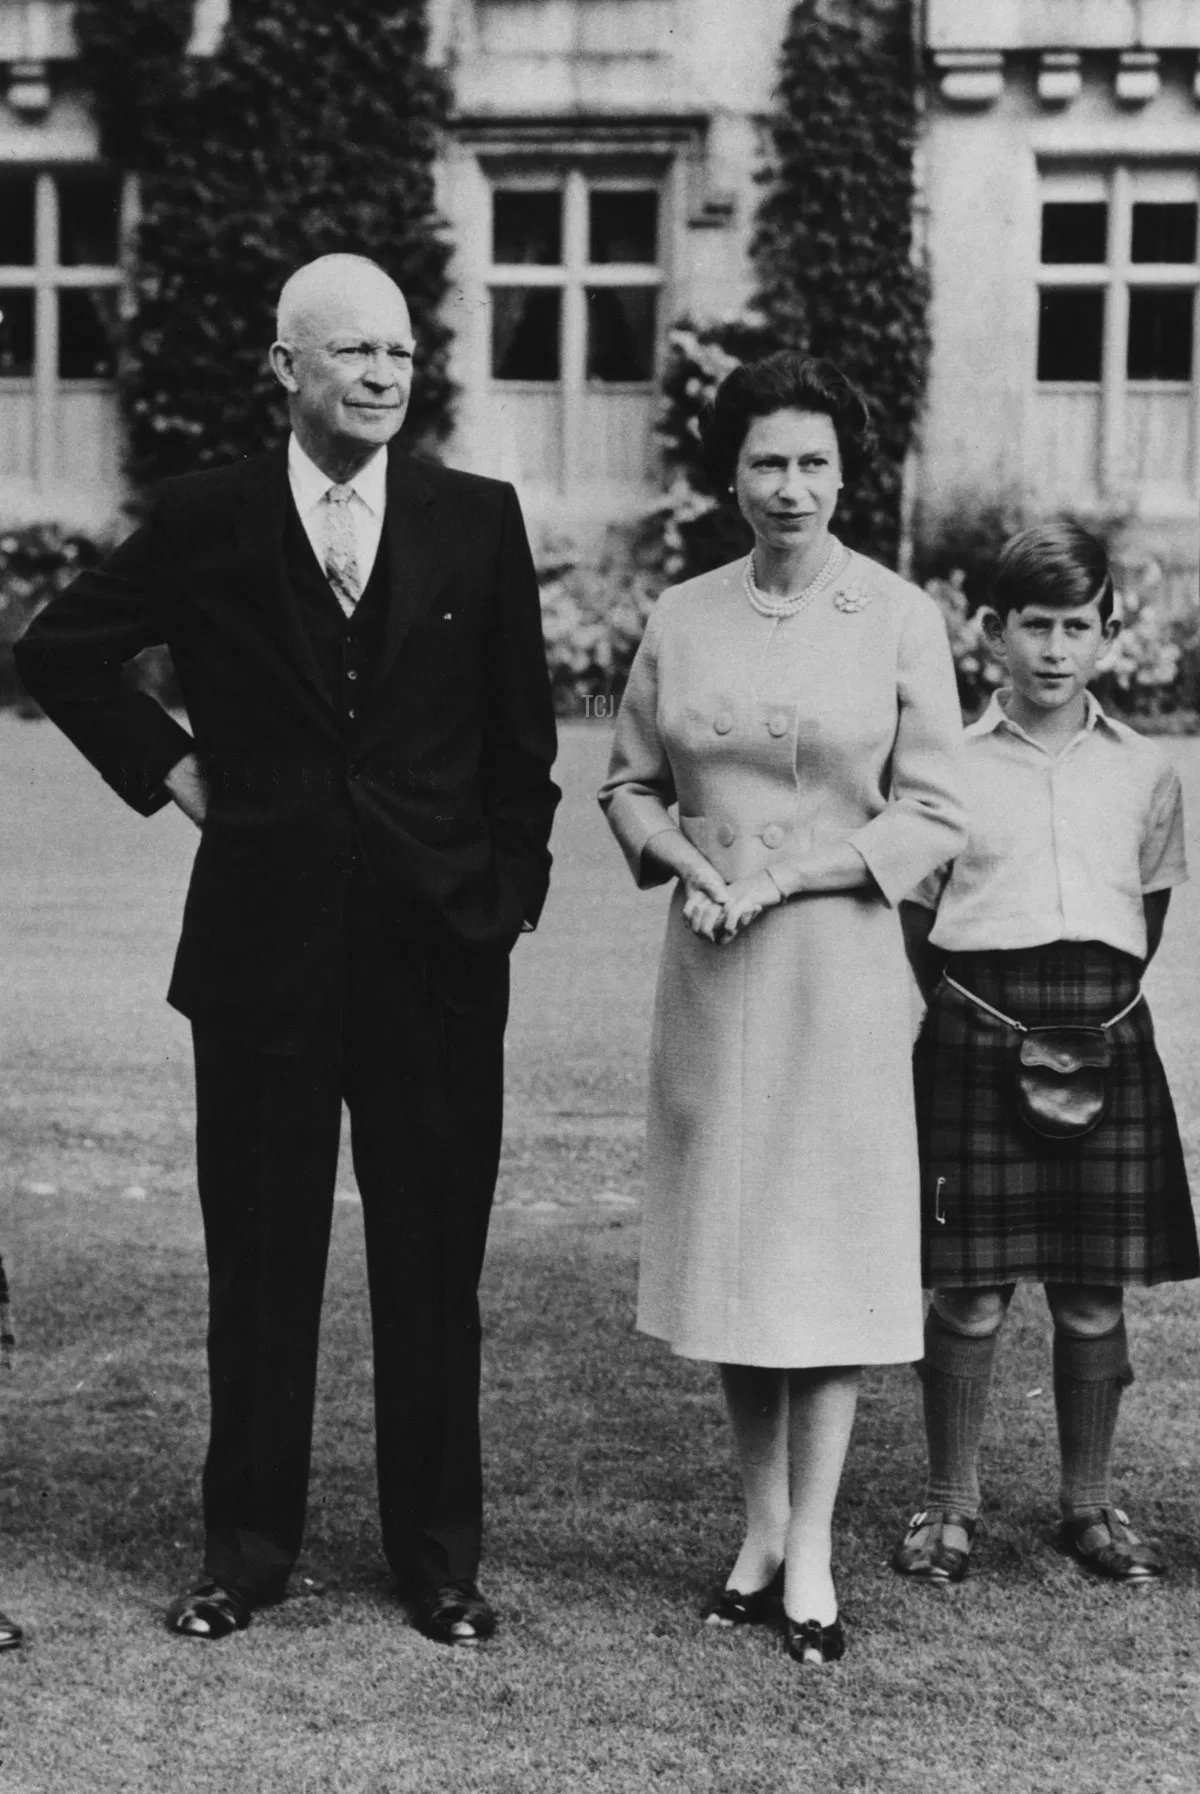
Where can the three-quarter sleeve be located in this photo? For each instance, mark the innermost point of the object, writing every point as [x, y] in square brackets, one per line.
[924, 823]
[640, 787]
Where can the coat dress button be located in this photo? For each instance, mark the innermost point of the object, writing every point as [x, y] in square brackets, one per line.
[722, 722]
[772, 835]
[778, 724]
[725, 835]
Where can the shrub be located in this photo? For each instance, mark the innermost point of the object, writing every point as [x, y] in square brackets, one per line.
[37, 561]
[699, 526]
[593, 617]
[313, 128]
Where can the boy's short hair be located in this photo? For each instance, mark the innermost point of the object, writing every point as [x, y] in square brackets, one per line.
[1059, 565]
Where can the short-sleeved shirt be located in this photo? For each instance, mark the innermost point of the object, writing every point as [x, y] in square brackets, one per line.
[1060, 847]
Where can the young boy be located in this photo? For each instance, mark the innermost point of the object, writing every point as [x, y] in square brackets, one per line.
[1047, 919]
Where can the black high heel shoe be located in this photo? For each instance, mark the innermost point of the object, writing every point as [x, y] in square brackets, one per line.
[810, 1643]
[730, 1607]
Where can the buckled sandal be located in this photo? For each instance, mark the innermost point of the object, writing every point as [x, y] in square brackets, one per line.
[937, 1545]
[208, 1611]
[11, 1634]
[813, 1645]
[455, 1614]
[1102, 1541]
[730, 1607]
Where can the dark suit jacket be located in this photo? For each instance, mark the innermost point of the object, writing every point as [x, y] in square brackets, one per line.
[441, 787]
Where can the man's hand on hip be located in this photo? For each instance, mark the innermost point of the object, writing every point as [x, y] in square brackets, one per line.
[185, 782]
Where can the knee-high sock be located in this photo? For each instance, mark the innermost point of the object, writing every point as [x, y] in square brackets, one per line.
[1089, 1376]
[956, 1374]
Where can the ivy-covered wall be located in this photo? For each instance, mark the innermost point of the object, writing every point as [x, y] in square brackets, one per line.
[834, 245]
[834, 268]
[314, 128]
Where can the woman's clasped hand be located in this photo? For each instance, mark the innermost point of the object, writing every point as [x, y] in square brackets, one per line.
[716, 911]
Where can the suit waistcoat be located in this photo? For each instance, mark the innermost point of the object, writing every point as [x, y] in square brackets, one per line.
[347, 648]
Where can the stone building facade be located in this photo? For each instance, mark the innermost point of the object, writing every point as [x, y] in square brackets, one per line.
[600, 183]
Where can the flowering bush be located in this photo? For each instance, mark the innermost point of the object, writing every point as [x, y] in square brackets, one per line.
[1150, 670]
[37, 561]
[593, 616]
[697, 526]
[978, 674]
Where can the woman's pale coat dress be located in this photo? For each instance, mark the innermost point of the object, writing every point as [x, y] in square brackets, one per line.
[781, 1215]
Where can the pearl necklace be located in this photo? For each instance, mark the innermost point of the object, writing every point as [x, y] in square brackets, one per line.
[768, 606]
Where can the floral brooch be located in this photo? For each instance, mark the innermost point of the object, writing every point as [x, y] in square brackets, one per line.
[851, 598]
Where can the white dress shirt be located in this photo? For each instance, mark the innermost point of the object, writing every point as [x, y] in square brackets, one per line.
[1060, 847]
[309, 486]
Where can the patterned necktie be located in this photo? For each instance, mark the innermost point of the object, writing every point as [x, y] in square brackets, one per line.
[341, 548]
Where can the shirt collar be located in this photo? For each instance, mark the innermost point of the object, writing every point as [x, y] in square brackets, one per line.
[309, 484]
[995, 717]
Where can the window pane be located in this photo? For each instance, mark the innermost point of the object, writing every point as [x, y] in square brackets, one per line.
[87, 333]
[1070, 334]
[1164, 233]
[1160, 334]
[527, 227]
[1074, 232]
[620, 342]
[525, 333]
[16, 332]
[623, 227]
[16, 220]
[89, 211]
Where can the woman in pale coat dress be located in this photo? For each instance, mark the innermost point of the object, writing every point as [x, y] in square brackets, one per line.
[798, 710]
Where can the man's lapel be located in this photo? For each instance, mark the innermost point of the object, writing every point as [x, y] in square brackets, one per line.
[409, 534]
[258, 531]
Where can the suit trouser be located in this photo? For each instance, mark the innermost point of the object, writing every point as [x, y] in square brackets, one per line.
[413, 1042]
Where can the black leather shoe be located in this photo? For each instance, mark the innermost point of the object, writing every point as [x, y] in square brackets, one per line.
[11, 1634]
[762, 1606]
[812, 1644]
[1103, 1541]
[455, 1614]
[936, 1546]
[208, 1611]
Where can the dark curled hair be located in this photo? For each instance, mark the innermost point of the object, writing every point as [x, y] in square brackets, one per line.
[785, 381]
[1058, 565]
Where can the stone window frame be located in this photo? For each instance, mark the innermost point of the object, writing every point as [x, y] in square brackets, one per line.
[46, 277]
[1121, 183]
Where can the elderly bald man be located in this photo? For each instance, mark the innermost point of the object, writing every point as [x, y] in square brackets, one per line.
[357, 637]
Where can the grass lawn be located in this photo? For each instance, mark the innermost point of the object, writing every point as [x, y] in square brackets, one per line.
[611, 1498]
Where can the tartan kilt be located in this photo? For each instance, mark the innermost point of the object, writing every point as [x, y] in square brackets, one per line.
[997, 1202]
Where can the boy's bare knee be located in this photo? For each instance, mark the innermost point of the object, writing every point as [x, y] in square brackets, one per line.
[1084, 1311]
[975, 1313]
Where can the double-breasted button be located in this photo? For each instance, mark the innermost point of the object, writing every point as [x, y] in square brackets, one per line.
[725, 835]
[722, 722]
[778, 724]
[772, 835]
